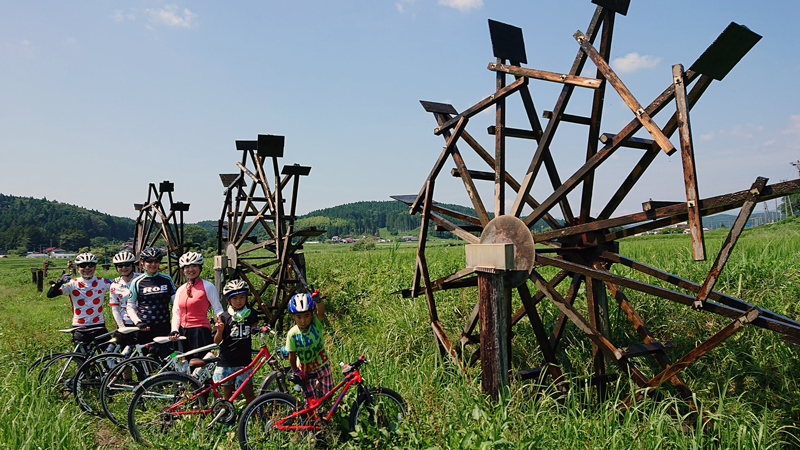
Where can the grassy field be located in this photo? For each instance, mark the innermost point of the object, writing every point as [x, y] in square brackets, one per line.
[748, 387]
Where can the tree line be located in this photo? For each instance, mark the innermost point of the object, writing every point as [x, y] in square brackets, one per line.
[28, 224]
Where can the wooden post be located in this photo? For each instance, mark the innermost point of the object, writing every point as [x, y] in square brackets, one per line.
[39, 280]
[33, 275]
[494, 299]
[220, 261]
[493, 263]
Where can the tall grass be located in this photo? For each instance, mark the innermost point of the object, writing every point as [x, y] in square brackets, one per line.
[747, 389]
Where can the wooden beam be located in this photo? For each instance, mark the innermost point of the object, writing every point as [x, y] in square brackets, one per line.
[580, 120]
[591, 83]
[625, 94]
[481, 105]
[695, 221]
[730, 242]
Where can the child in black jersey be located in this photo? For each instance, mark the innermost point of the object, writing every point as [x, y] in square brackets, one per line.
[233, 337]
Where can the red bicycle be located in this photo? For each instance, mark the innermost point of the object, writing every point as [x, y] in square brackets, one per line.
[275, 419]
[172, 404]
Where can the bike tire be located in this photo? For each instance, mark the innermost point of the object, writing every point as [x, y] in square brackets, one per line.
[387, 411]
[89, 378]
[255, 430]
[41, 361]
[148, 418]
[116, 391]
[61, 370]
[274, 382]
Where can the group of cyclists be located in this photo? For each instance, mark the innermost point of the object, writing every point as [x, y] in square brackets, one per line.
[145, 300]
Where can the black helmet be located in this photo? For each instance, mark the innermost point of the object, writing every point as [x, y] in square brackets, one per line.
[151, 253]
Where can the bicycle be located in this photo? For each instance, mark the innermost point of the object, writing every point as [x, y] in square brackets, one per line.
[118, 385]
[66, 365]
[90, 375]
[275, 419]
[162, 405]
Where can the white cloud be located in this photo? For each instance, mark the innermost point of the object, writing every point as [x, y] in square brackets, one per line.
[401, 5]
[794, 125]
[633, 62]
[171, 16]
[119, 15]
[462, 5]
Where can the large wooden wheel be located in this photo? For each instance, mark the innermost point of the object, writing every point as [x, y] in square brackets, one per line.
[255, 234]
[583, 248]
[154, 223]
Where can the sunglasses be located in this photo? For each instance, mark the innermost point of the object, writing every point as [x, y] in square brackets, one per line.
[122, 266]
[152, 261]
[86, 265]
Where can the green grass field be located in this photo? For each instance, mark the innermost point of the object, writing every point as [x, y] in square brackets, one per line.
[747, 387]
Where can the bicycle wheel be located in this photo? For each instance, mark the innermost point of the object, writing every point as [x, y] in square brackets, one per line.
[117, 387]
[60, 370]
[41, 361]
[256, 429]
[161, 411]
[275, 382]
[89, 378]
[383, 409]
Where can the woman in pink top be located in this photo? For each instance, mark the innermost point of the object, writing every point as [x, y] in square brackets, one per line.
[190, 309]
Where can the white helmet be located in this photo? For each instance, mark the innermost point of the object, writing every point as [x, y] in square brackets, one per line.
[234, 287]
[85, 258]
[124, 257]
[190, 258]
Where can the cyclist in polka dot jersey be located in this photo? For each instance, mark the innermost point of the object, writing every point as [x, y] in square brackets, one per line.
[87, 294]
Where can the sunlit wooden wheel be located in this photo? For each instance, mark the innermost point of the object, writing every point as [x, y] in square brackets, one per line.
[581, 249]
[255, 234]
[160, 223]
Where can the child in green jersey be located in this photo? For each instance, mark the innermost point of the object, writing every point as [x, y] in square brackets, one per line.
[305, 343]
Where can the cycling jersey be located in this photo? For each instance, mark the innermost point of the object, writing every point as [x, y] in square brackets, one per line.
[118, 297]
[87, 299]
[192, 311]
[150, 299]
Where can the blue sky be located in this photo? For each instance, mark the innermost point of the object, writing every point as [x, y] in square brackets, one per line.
[100, 98]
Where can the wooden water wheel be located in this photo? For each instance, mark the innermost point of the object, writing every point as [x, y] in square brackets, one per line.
[256, 235]
[583, 247]
[161, 218]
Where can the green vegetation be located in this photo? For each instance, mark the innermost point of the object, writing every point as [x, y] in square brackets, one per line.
[29, 223]
[748, 387]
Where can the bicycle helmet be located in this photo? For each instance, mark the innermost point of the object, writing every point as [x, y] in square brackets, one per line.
[123, 257]
[151, 253]
[190, 258]
[301, 303]
[85, 258]
[234, 287]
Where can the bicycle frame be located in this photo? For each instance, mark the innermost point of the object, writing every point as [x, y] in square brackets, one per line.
[347, 382]
[262, 357]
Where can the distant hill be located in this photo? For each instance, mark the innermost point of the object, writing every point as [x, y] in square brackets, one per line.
[29, 224]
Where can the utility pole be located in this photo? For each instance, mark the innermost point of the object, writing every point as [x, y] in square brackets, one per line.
[796, 164]
[767, 217]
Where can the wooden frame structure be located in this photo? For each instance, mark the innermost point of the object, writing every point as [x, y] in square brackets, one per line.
[582, 247]
[252, 207]
[154, 222]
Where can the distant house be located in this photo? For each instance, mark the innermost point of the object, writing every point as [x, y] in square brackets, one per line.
[409, 238]
[49, 250]
[348, 240]
[127, 245]
[336, 239]
[3, 251]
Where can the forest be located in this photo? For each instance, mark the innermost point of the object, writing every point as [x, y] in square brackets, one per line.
[28, 224]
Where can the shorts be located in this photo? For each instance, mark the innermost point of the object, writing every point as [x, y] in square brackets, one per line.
[196, 337]
[324, 384]
[222, 372]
